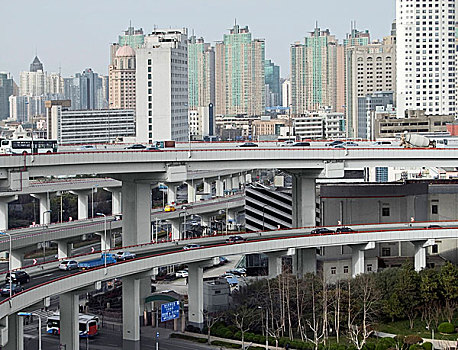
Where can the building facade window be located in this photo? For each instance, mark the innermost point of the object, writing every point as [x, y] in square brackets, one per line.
[385, 211]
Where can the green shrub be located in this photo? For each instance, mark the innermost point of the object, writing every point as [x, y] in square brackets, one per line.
[385, 344]
[446, 327]
[226, 345]
[427, 346]
[238, 335]
[415, 347]
[228, 334]
[412, 339]
[202, 340]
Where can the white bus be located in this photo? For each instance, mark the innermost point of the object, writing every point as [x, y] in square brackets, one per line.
[28, 146]
[88, 325]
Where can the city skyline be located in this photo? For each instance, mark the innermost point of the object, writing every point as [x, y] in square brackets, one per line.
[78, 22]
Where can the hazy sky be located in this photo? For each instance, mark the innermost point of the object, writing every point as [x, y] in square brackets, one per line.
[75, 34]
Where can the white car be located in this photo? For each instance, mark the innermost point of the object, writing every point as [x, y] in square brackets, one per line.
[68, 265]
[181, 274]
[191, 246]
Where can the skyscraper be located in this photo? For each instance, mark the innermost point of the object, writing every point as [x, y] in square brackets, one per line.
[162, 86]
[314, 73]
[33, 83]
[85, 90]
[201, 73]
[131, 37]
[426, 56]
[122, 79]
[370, 68]
[6, 90]
[240, 74]
[36, 65]
[273, 88]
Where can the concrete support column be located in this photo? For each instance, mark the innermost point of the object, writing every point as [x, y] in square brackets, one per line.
[64, 249]
[207, 186]
[196, 294]
[171, 193]
[136, 219]
[115, 200]
[275, 264]
[235, 182]
[17, 259]
[175, 229]
[105, 244]
[228, 183]
[304, 261]
[131, 313]
[242, 179]
[69, 320]
[357, 258]
[219, 187]
[420, 253]
[304, 189]
[83, 203]
[4, 211]
[45, 206]
[15, 333]
[192, 189]
[248, 178]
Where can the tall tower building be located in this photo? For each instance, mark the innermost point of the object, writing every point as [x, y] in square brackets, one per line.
[314, 73]
[6, 90]
[122, 79]
[131, 37]
[162, 86]
[273, 88]
[370, 68]
[201, 73]
[426, 56]
[240, 74]
[85, 90]
[33, 83]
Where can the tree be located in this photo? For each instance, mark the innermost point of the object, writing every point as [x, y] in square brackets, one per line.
[363, 297]
[429, 290]
[448, 278]
[244, 318]
[408, 292]
[210, 319]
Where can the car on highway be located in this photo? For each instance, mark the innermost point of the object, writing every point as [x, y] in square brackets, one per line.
[5, 289]
[136, 146]
[18, 277]
[248, 144]
[434, 226]
[125, 255]
[68, 265]
[301, 144]
[346, 144]
[182, 274]
[87, 148]
[169, 208]
[239, 271]
[223, 260]
[287, 143]
[334, 143]
[344, 230]
[235, 239]
[321, 231]
[191, 246]
[153, 148]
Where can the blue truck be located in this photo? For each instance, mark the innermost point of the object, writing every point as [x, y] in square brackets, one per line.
[110, 259]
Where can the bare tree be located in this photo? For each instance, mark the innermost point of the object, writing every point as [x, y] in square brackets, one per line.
[361, 308]
[243, 319]
[315, 322]
[210, 319]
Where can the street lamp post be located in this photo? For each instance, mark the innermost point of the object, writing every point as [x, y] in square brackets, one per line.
[39, 324]
[93, 189]
[44, 227]
[9, 263]
[184, 223]
[105, 234]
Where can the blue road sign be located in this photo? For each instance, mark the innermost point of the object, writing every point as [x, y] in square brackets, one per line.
[170, 311]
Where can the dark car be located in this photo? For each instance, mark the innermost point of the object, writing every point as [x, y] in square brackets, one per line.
[301, 144]
[248, 144]
[434, 226]
[223, 260]
[136, 146]
[18, 277]
[5, 289]
[334, 143]
[235, 239]
[320, 231]
[344, 230]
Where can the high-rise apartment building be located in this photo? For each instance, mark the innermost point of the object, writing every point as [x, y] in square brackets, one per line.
[201, 73]
[240, 74]
[273, 87]
[122, 79]
[314, 73]
[86, 91]
[162, 86]
[367, 106]
[6, 90]
[54, 84]
[370, 68]
[286, 93]
[426, 56]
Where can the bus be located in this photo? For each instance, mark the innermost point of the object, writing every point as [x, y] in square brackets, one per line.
[28, 146]
[88, 325]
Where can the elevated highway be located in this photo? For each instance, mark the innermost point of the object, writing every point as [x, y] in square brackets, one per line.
[275, 244]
